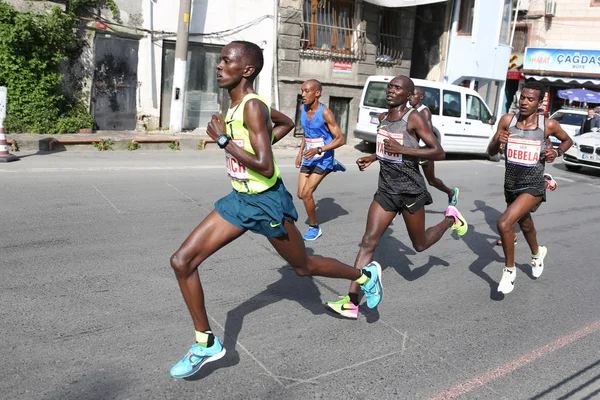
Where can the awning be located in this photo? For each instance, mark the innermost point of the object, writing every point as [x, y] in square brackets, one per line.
[565, 79]
[402, 3]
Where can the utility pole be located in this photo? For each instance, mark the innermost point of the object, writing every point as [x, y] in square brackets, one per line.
[181, 50]
[5, 156]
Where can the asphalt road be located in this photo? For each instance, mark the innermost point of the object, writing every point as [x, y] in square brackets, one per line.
[90, 309]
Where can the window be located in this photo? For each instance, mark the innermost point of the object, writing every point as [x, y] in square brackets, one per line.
[375, 95]
[520, 40]
[452, 104]
[202, 95]
[505, 24]
[432, 100]
[328, 25]
[465, 18]
[389, 48]
[477, 110]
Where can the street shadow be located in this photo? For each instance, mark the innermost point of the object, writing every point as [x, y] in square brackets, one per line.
[328, 210]
[393, 253]
[479, 244]
[301, 290]
[491, 216]
[572, 393]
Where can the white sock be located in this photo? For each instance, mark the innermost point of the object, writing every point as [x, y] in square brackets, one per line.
[512, 269]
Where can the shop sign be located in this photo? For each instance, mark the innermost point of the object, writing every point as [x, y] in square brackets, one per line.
[342, 67]
[514, 76]
[562, 60]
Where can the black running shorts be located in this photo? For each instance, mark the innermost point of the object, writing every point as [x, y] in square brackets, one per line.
[511, 195]
[313, 169]
[400, 202]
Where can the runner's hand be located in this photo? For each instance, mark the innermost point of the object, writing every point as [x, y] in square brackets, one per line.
[550, 155]
[393, 147]
[216, 126]
[503, 136]
[299, 160]
[364, 162]
[309, 154]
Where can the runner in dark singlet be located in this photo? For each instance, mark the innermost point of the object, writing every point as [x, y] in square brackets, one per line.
[524, 137]
[401, 187]
[416, 102]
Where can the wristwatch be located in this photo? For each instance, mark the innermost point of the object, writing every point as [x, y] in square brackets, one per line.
[223, 141]
[319, 150]
[559, 152]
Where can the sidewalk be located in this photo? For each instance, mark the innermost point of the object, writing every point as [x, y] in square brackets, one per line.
[121, 140]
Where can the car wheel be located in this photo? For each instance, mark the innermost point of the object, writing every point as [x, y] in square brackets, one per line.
[573, 167]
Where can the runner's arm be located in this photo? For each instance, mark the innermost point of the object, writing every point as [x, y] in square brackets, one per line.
[418, 124]
[282, 125]
[494, 146]
[553, 128]
[427, 114]
[257, 121]
[332, 126]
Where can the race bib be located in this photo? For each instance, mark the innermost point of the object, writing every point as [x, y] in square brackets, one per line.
[383, 134]
[235, 169]
[313, 143]
[525, 152]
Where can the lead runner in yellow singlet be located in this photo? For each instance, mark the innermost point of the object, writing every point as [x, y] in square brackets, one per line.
[259, 202]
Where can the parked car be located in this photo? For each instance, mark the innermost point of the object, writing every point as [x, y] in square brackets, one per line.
[462, 121]
[585, 152]
[570, 119]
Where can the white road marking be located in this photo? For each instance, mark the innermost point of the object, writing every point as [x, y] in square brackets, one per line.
[106, 198]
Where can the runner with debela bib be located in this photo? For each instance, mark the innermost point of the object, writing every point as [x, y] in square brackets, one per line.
[524, 138]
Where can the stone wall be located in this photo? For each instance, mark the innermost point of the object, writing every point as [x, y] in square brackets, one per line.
[296, 66]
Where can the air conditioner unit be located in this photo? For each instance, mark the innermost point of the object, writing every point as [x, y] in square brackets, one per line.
[523, 5]
[550, 8]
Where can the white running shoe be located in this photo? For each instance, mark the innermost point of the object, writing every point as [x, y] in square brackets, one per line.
[537, 262]
[507, 283]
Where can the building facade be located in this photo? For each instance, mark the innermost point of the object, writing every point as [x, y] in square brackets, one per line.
[556, 43]
[127, 70]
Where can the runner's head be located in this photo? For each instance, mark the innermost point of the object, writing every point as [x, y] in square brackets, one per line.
[311, 91]
[398, 91]
[531, 98]
[239, 60]
[416, 98]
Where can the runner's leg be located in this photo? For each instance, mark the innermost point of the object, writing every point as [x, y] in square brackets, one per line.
[424, 238]
[306, 194]
[378, 220]
[212, 234]
[516, 210]
[429, 171]
[291, 248]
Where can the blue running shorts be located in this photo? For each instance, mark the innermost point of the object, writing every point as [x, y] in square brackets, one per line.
[261, 213]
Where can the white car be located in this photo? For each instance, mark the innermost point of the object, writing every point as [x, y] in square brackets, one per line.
[585, 152]
[570, 119]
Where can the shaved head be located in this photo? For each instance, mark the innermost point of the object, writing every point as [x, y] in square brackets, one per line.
[252, 55]
[314, 84]
[407, 83]
[419, 91]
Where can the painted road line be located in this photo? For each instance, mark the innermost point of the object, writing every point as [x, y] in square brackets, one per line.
[482, 380]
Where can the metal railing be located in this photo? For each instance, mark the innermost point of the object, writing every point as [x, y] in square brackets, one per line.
[329, 27]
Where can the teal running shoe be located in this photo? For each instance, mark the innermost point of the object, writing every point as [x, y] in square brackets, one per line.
[196, 357]
[373, 288]
[454, 198]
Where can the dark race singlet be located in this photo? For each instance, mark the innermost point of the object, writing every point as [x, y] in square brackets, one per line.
[399, 173]
[524, 158]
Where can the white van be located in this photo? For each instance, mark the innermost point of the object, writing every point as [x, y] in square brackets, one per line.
[461, 120]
